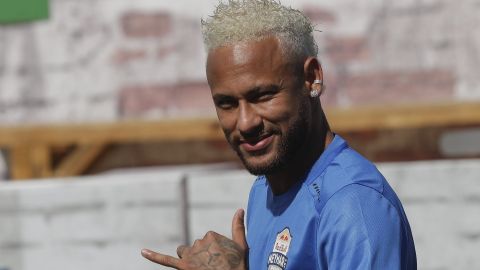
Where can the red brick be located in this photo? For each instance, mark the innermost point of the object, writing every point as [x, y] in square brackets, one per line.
[137, 100]
[319, 15]
[144, 25]
[346, 49]
[193, 96]
[400, 87]
[189, 98]
[163, 52]
[124, 56]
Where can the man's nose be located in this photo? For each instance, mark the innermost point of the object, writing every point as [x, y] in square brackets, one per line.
[249, 123]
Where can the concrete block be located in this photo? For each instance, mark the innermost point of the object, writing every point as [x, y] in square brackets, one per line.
[9, 230]
[441, 200]
[33, 228]
[217, 219]
[213, 200]
[439, 181]
[10, 259]
[230, 187]
[99, 222]
[119, 255]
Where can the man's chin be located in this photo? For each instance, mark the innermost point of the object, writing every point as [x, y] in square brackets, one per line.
[262, 167]
[262, 162]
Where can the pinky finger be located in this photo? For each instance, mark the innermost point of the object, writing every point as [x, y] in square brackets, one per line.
[162, 259]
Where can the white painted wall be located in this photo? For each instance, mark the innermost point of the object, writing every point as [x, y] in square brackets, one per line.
[102, 222]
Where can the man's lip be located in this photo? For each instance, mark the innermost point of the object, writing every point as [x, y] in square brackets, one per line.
[258, 145]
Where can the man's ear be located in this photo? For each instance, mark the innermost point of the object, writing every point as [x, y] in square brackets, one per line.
[312, 71]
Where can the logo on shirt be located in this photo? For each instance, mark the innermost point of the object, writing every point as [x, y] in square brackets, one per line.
[278, 258]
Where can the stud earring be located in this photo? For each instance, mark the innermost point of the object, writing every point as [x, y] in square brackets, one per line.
[317, 88]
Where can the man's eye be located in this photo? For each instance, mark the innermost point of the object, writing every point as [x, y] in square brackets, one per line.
[267, 95]
[225, 104]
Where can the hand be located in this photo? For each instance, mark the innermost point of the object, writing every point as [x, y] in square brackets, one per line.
[213, 252]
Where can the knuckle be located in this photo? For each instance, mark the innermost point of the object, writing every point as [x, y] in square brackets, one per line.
[197, 242]
[210, 234]
[170, 261]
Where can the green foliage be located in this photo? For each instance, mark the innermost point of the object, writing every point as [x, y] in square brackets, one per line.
[12, 11]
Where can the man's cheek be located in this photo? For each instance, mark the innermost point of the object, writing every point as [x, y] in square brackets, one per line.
[229, 137]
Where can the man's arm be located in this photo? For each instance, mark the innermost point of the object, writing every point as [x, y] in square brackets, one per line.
[213, 252]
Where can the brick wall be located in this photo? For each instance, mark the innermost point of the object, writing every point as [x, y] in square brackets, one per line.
[106, 60]
[102, 222]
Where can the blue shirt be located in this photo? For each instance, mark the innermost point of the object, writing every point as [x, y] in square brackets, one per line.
[343, 215]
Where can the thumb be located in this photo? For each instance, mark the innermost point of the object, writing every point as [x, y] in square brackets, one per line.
[238, 229]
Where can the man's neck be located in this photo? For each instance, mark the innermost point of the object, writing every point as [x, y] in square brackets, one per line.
[280, 182]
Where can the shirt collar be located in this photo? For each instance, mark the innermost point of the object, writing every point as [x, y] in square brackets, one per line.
[333, 149]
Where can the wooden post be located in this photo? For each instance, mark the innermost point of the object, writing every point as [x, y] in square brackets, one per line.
[79, 160]
[30, 161]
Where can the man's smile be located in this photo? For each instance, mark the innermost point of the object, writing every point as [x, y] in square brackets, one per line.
[257, 144]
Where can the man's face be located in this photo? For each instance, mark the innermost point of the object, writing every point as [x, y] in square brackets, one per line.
[260, 103]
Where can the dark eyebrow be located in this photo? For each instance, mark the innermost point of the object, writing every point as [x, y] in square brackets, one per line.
[255, 91]
[218, 97]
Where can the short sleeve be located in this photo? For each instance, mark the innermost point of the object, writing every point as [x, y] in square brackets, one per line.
[360, 229]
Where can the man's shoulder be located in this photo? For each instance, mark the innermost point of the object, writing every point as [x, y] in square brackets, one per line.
[352, 199]
[355, 166]
[349, 167]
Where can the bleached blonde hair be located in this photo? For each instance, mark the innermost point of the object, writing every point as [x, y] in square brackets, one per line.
[252, 20]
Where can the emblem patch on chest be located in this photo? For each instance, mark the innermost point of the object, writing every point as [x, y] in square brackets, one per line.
[278, 258]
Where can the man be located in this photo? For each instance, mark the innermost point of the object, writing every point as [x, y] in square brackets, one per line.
[317, 204]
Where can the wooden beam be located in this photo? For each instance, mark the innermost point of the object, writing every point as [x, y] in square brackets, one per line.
[342, 120]
[120, 132]
[30, 161]
[404, 117]
[30, 146]
[79, 160]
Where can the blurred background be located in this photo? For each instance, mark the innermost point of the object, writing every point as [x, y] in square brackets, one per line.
[109, 141]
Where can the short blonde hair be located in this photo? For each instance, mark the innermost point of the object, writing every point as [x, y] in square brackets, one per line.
[252, 20]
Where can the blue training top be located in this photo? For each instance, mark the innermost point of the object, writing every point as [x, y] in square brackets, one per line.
[344, 215]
